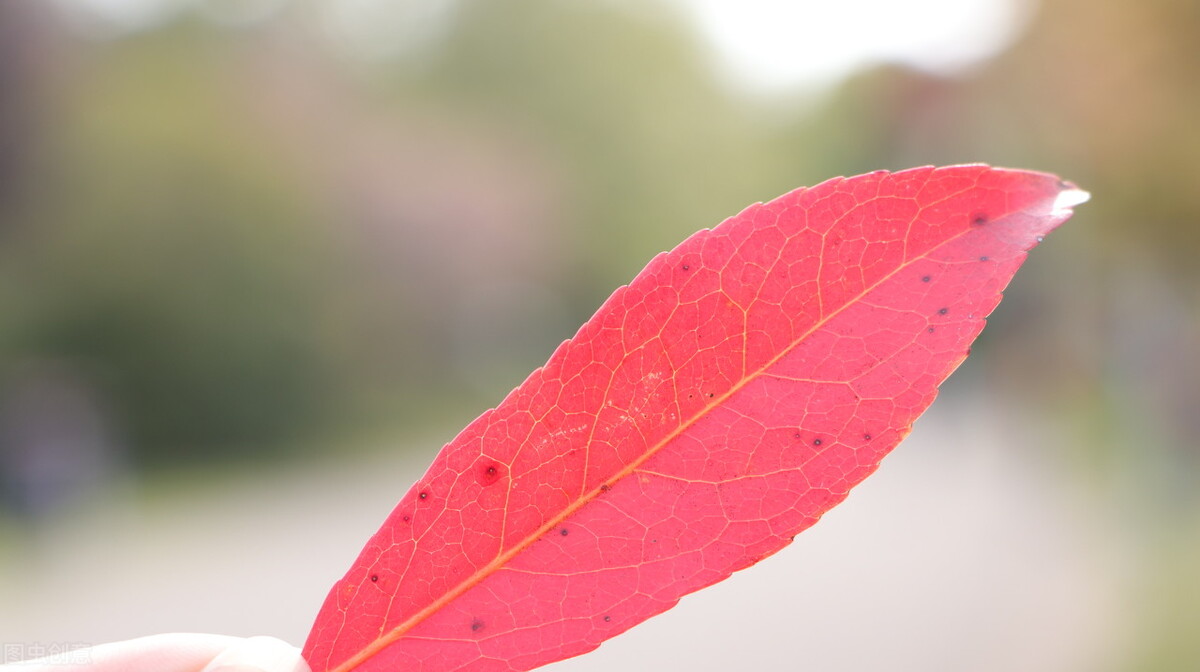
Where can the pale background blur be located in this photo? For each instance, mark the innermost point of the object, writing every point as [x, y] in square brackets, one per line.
[259, 259]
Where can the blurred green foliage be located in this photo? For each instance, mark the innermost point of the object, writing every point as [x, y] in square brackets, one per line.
[165, 253]
[191, 235]
[194, 234]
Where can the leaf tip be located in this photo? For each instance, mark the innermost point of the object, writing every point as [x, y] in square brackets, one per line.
[1069, 197]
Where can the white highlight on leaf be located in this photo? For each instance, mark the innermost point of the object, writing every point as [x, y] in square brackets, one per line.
[1069, 198]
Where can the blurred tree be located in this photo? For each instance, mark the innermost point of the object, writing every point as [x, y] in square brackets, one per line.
[21, 39]
[650, 145]
[171, 260]
[1107, 95]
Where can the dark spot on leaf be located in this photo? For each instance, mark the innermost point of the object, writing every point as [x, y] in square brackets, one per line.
[687, 267]
[866, 437]
[604, 487]
[796, 435]
[984, 258]
[607, 619]
[943, 311]
[710, 395]
[654, 541]
[374, 578]
[931, 330]
[817, 442]
[424, 495]
[563, 532]
[406, 519]
[476, 625]
[489, 473]
[926, 278]
[979, 218]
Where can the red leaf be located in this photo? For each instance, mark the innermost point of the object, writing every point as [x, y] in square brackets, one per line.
[709, 411]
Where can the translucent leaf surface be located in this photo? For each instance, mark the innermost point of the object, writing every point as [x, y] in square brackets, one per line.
[710, 410]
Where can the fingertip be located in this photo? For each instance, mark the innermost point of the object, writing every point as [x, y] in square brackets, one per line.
[259, 654]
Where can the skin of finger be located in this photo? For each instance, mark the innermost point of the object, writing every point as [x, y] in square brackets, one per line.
[174, 652]
[259, 654]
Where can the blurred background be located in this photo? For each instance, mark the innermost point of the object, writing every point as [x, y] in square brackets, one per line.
[259, 259]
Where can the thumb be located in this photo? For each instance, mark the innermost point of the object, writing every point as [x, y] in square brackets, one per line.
[259, 654]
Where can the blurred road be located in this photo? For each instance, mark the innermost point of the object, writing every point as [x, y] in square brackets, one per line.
[970, 549]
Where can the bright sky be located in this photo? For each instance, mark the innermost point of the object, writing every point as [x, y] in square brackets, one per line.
[768, 44]
[759, 45]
